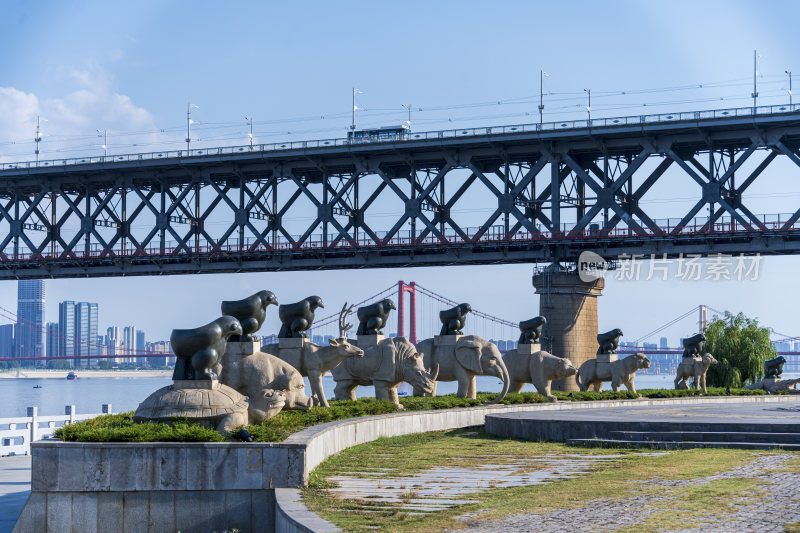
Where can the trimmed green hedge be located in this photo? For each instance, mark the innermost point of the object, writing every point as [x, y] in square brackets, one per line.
[122, 428]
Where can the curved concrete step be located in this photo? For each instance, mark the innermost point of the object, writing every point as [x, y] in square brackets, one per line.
[676, 445]
[708, 436]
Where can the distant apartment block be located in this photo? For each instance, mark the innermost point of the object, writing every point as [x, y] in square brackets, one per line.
[7, 340]
[29, 333]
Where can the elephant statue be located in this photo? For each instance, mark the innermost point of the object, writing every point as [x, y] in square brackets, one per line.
[539, 368]
[461, 361]
[384, 365]
[259, 376]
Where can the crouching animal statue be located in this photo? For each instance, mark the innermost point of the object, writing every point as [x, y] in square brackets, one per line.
[773, 368]
[694, 367]
[620, 372]
[250, 312]
[693, 346]
[313, 360]
[384, 365]
[539, 368]
[531, 330]
[296, 318]
[198, 350]
[453, 319]
[468, 357]
[258, 376]
[608, 342]
[372, 318]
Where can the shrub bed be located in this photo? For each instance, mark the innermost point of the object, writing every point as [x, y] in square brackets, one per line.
[122, 428]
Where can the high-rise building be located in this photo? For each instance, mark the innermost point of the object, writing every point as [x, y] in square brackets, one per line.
[7, 340]
[663, 343]
[53, 344]
[140, 347]
[66, 328]
[113, 343]
[129, 344]
[29, 337]
[77, 325]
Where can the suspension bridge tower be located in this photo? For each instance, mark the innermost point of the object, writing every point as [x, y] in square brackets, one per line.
[570, 306]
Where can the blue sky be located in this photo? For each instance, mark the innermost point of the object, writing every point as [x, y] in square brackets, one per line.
[132, 68]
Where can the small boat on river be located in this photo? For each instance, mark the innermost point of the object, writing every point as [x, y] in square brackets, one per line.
[72, 375]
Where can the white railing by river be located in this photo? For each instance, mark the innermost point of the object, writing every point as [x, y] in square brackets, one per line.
[17, 433]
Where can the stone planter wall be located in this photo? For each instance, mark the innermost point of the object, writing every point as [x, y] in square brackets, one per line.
[165, 486]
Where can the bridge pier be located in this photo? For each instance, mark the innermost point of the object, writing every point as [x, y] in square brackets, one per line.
[570, 306]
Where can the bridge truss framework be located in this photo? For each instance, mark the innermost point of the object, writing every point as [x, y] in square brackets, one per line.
[549, 196]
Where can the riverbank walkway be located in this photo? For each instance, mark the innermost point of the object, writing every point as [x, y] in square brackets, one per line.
[15, 485]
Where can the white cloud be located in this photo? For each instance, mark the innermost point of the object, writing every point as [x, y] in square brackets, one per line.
[71, 119]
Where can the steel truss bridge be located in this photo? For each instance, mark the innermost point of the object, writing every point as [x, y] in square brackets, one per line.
[551, 191]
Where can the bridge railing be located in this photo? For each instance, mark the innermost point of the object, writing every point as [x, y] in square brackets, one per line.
[17, 433]
[495, 235]
[437, 134]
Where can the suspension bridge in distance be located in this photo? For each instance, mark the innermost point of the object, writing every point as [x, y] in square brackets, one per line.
[553, 190]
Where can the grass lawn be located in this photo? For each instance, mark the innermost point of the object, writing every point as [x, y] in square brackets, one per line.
[617, 479]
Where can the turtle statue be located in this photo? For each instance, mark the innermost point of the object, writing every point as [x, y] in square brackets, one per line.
[213, 405]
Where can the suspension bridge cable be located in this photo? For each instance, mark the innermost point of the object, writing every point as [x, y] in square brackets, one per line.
[665, 326]
[477, 313]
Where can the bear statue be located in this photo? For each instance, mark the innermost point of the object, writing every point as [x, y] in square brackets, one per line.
[539, 368]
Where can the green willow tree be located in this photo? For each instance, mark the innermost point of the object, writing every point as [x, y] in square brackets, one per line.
[740, 346]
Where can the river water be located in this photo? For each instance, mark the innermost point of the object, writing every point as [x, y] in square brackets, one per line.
[124, 394]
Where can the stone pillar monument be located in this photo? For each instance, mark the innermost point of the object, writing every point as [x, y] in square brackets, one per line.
[570, 306]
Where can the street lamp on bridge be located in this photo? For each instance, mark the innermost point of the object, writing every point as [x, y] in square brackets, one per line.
[542, 75]
[250, 121]
[104, 135]
[189, 122]
[789, 73]
[38, 137]
[589, 107]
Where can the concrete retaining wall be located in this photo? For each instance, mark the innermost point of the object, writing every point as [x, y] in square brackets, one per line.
[202, 485]
[292, 515]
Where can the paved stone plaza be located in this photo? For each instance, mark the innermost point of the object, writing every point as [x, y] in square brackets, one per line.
[15, 485]
[755, 514]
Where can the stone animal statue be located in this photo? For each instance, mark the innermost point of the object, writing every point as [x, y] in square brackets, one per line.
[608, 342]
[539, 368]
[258, 376]
[620, 372]
[470, 356]
[313, 360]
[531, 330]
[775, 385]
[250, 313]
[296, 318]
[372, 318]
[693, 346]
[453, 319]
[198, 350]
[385, 365]
[773, 368]
[693, 367]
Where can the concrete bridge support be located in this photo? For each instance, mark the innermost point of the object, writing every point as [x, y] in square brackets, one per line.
[570, 306]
